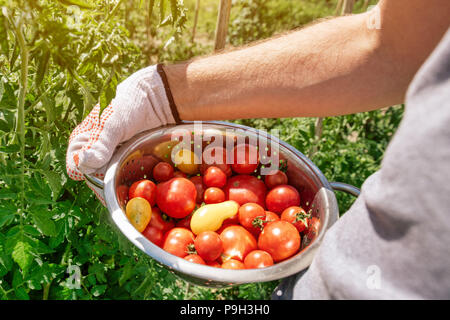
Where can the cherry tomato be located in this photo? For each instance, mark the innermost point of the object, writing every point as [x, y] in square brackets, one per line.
[185, 222]
[145, 189]
[215, 156]
[179, 174]
[161, 221]
[214, 177]
[208, 245]
[248, 214]
[244, 189]
[246, 159]
[176, 197]
[233, 264]
[153, 234]
[177, 241]
[195, 258]
[213, 195]
[270, 216]
[214, 264]
[280, 239]
[282, 197]
[163, 171]
[199, 186]
[258, 259]
[233, 221]
[237, 242]
[260, 223]
[139, 167]
[139, 213]
[186, 161]
[311, 232]
[275, 178]
[297, 216]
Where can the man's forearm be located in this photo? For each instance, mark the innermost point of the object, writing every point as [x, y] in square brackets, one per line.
[331, 68]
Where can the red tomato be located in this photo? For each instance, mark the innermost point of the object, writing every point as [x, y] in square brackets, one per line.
[251, 217]
[280, 239]
[161, 221]
[199, 186]
[185, 222]
[311, 232]
[214, 264]
[226, 224]
[270, 216]
[163, 171]
[139, 168]
[176, 197]
[275, 178]
[282, 197]
[237, 242]
[214, 177]
[213, 195]
[195, 258]
[153, 234]
[145, 189]
[258, 259]
[246, 159]
[177, 241]
[179, 174]
[297, 216]
[208, 245]
[215, 156]
[233, 264]
[244, 189]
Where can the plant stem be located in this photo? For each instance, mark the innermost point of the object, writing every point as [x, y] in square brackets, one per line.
[46, 291]
[20, 123]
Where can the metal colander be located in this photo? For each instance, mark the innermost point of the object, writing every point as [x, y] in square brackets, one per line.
[134, 160]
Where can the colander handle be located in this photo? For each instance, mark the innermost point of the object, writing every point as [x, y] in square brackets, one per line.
[95, 181]
[347, 188]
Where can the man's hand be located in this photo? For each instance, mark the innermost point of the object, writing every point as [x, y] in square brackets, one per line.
[140, 104]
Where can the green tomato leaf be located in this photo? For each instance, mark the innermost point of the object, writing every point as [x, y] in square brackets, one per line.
[21, 293]
[22, 255]
[44, 222]
[98, 290]
[55, 181]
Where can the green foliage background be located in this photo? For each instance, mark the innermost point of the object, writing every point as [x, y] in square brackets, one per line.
[55, 63]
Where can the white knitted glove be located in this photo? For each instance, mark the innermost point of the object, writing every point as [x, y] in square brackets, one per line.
[140, 104]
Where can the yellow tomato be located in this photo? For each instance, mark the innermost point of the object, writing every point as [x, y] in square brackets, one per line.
[210, 217]
[186, 161]
[139, 213]
[164, 150]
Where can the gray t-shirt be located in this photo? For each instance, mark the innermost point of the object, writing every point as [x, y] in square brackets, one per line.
[394, 242]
